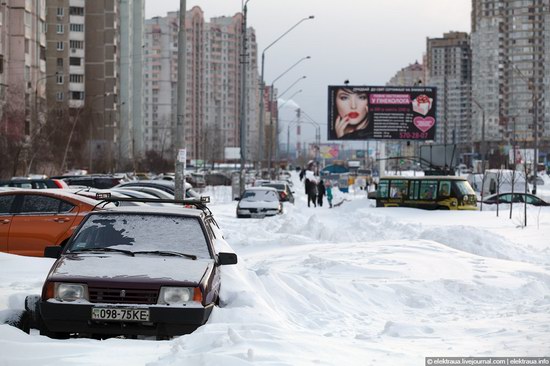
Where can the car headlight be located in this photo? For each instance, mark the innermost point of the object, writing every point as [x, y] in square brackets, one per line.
[179, 295]
[70, 292]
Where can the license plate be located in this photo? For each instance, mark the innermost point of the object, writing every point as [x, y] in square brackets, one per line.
[121, 314]
[257, 215]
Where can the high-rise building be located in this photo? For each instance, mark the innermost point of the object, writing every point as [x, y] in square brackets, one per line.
[511, 73]
[83, 38]
[449, 70]
[22, 68]
[213, 75]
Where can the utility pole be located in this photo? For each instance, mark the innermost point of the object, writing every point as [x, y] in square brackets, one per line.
[244, 62]
[180, 114]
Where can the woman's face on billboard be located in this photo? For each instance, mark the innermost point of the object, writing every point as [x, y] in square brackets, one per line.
[352, 106]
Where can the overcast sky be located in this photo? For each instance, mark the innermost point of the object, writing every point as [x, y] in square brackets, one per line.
[364, 41]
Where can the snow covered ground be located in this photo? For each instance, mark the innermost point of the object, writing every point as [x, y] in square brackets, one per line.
[352, 285]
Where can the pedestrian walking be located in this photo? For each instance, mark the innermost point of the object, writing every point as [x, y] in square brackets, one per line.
[328, 191]
[320, 192]
[311, 191]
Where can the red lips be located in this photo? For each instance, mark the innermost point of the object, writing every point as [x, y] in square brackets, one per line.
[353, 114]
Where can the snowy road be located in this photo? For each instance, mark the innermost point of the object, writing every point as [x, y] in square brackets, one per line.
[352, 285]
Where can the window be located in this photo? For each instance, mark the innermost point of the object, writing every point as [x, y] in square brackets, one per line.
[76, 95]
[59, 28]
[39, 204]
[76, 44]
[59, 79]
[27, 45]
[398, 189]
[60, 12]
[75, 61]
[428, 189]
[76, 78]
[60, 46]
[74, 10]
[1, 64]
[445, 188]
[59, 96]
[5, 204]
[60, 62]
[65, 207]
[77, 27]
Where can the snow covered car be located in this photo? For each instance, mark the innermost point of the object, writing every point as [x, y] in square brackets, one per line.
[134, 271]
[258, 202]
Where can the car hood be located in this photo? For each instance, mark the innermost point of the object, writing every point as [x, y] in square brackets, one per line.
[121, 267]
[258, 204]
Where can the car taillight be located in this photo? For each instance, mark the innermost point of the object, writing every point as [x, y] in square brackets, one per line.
[58, 183]
[283, 195]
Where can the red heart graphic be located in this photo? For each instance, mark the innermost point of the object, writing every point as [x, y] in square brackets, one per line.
[424, 123]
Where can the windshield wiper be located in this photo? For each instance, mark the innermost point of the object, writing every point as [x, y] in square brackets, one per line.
[127, 252]
[168, 253]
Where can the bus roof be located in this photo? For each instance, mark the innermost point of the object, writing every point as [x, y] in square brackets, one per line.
[425, 177]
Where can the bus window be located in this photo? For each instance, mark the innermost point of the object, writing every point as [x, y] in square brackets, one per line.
[383, 189]
[428, 189]
[444, 188]
[414, 193]
[399, 189]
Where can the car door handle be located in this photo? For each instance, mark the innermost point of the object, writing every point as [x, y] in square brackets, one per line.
[5, 221]
[61, 219]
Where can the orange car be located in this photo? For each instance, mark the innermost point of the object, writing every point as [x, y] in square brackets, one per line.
[32, 219]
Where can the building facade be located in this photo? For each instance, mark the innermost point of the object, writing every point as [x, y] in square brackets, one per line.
[511, 74]
[82, 42]
[449, 63]
[213, 91]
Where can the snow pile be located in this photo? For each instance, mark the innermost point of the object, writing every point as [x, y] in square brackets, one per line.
[353, 285]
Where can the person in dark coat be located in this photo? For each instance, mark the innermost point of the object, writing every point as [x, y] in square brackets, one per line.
[311, 191]
[320, 192]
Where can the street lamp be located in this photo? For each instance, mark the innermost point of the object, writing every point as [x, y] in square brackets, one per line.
[290, 87]
[262, 86]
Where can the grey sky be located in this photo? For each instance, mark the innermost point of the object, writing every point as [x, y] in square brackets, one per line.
[365, 41]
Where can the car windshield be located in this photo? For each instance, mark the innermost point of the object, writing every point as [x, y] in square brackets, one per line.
[142, 233]
[260, 196]
[464, 187]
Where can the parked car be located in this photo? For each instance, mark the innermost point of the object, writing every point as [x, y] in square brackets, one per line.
[515, 198]
[258, 202]
[33, 219]
[285, 193]
[31, 183]
[132, 271]
[165, 185]
[95, 181]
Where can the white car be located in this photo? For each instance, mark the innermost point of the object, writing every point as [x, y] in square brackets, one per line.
[259, 202]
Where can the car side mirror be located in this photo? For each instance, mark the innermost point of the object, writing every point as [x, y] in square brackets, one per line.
[53, 252]
[227, 258]
[237, 198]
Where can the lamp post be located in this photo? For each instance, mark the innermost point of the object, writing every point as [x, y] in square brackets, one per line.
[262, 87]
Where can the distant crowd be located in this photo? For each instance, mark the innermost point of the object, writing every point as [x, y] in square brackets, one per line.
[316, 188]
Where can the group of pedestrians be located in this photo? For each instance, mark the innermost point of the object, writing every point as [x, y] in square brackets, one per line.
[316, 189]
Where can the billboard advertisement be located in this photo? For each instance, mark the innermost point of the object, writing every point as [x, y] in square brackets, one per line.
[381, 113]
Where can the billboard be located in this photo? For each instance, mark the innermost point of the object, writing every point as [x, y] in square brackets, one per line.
[381, 113]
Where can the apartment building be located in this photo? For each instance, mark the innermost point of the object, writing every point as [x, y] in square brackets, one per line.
[83, 37]
[511, 72]
[22, 68]
[448, 69]
[213, 91]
